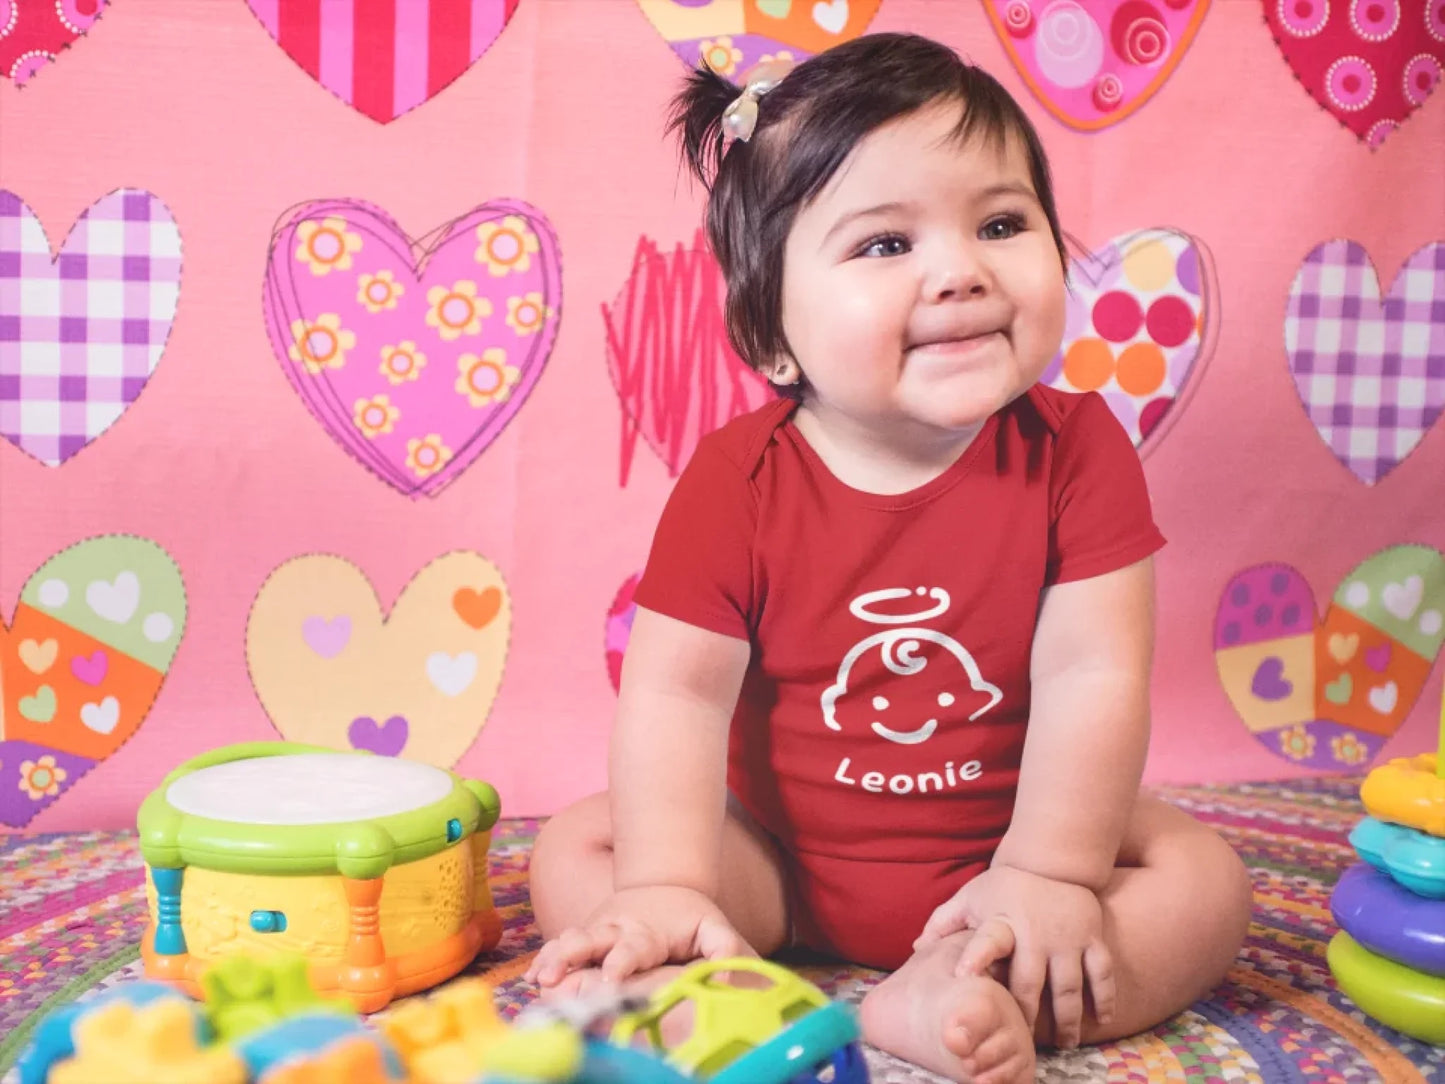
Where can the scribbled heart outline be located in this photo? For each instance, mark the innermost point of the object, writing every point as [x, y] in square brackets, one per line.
[385, 613]
[693, 272]
[280, 305]
[1082, 258]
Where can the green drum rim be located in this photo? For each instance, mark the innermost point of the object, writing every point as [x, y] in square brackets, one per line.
[362, 850]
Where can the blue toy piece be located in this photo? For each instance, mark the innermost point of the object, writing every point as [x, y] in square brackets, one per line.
[54, 1039]
[608, 1064]
[1412, 858]
[306, 1036]
[824, 1039]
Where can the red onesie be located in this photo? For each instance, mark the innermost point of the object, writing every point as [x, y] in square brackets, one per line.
[881, 723]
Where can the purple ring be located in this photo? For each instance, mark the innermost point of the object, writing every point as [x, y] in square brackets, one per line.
[1389, 919]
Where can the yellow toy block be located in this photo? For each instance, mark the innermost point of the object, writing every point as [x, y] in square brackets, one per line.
[155, 1044]
[1408, 791]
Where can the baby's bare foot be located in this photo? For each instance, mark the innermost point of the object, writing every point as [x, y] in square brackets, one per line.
[967, 1029]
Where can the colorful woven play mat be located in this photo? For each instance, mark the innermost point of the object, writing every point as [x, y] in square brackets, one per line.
[72, 910]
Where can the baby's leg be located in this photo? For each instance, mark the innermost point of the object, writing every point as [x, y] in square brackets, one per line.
[966, 1029]
[571, 875]
[1175, 915]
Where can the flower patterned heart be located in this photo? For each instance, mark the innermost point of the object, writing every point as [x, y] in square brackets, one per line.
[413, 356]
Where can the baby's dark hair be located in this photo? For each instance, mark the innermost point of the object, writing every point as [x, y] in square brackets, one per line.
[806, 128]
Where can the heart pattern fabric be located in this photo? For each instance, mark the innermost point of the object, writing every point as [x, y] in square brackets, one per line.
[1370, 370]
[91, 642]
[82, 332]
[387, 59]
[413, 355]
[34, 32]
[1370, 64]
[676, 374]
[1093, 64]
[331, 669]
[731, 36]
[1138, 326]
[1328, 691]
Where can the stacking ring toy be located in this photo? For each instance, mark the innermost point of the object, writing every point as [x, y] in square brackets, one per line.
[1408, 1001]
[1408, 791]
[1412, 858]
[1390, 920]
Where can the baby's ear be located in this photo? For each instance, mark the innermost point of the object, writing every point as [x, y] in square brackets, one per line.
[782, 370]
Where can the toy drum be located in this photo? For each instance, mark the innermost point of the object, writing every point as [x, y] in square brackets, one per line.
[373, 868]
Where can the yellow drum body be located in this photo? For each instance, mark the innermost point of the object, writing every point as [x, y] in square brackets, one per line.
[374, 869]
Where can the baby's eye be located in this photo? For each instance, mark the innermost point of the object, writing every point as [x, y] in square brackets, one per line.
[891, 244]
[1002, 228]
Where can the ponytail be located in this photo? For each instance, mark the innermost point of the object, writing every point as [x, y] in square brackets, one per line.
[697, 113]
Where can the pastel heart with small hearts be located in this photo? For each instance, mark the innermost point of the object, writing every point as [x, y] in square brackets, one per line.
[1368, 63]
[1093, 64]
[413, 355]
[387, 59]
[730, 36]
[33, 33]
[1369, 370]
[331, 669]
[1138, 327]
[676, 374]
[1328, 692]
[81, 333]
[93, 637]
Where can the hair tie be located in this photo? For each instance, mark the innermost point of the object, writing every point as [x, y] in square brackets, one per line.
[741, 117]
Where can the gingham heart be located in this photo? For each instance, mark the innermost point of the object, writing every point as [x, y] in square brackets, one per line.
[1368, 63]
[1370, 370]
[1092, 64]
[384, 60]
[80, 334]
[34, 32]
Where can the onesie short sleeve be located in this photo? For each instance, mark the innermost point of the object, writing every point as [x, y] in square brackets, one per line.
[1101, 518]
[700, 569]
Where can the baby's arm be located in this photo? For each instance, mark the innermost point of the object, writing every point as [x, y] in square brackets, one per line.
[667, 799]
[1088, 730]
[668, 760]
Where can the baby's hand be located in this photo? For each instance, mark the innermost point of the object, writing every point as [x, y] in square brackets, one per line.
[1049, 930]
[638, 929]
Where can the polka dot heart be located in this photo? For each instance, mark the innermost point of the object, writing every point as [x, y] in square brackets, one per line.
[1138, 313]
[1369, 63]
[1093, 63]
[34, 32]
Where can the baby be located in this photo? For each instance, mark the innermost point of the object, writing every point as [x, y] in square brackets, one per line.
[887, 691]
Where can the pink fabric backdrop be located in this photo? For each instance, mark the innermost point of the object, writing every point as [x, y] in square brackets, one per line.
[219, 462]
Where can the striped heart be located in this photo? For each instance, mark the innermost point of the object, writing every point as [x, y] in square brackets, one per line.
[384, 57]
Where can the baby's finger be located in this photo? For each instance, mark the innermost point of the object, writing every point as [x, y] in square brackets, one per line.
[1026, 974]
[1099, 967]
[991, 942]
[1066, 981]
[637, 949]
[950, 916]
[717, 940]
[574, 948]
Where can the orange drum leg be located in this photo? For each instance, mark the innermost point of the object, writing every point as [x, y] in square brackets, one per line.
[366, 975]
